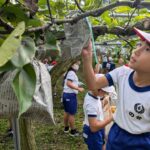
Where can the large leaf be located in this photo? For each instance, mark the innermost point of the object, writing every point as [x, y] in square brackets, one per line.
[7, 67]
[14, 14]
[24, 53]
[2, 2]
[10, 45]
[24, 86]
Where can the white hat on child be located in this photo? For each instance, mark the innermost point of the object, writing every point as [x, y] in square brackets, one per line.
[143, 35]
[108, 89]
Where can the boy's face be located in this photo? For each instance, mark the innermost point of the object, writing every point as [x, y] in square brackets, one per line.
[140, 58]
[101, 93]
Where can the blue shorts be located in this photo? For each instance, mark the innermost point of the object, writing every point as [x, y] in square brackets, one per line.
[104, 65]
[94, 140]
[70, 103]
[119, 139]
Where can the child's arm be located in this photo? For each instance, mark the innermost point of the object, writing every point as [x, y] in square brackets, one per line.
[73, 86]
[92, 82]
[96, 125]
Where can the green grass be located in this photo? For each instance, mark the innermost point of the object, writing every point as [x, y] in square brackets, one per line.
[53, 137]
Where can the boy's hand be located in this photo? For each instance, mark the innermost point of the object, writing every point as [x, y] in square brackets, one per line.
[80, 89]
[109, 114]
[105, 103]
[87, 50]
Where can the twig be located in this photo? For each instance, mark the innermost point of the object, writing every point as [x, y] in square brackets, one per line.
[66, 3]
[126, 42]
[130, 18]
[49, 9]
[79, 6]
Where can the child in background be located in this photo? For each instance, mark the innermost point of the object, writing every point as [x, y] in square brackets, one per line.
[70, 91]
[131, 130]
[94, 121]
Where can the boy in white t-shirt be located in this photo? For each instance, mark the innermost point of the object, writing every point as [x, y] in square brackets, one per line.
[94, 120]
[131, 130]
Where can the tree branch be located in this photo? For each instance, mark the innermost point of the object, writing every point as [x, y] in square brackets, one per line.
[131, 47]
[79, 6]
[100, 11]
[95, 13]
[102, 30]
[136, 3]
[42, 28]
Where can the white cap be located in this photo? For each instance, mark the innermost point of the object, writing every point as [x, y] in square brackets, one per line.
[143, 35]
[108, 89]
[110, 59]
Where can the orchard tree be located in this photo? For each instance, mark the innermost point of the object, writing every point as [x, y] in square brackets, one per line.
[30, 27]
[44, 17]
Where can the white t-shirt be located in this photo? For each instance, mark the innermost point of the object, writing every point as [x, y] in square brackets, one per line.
[133, 107]
[92, 107]
[71, 75]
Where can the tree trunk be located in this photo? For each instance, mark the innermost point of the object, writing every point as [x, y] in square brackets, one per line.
[27, 138]
[61, 68]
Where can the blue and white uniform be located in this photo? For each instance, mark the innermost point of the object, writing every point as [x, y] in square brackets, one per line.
[69, 94]
[92, 108]
[71, 76]
[132, 117]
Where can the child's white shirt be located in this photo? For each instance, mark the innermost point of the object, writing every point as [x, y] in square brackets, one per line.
[92, 107]
[133, 107]
[72, 77]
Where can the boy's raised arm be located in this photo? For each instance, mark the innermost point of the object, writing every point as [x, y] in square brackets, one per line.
[92, 82]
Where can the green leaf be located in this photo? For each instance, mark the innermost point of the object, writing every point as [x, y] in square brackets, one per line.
[105, 16]
[42, 2]
[140, 17]
[7, 67]
[24, 85]
[24, 53]
[50, 41]
[2, 2]
[122, 9]
[144, 11]
[10, 45]
[114, 22]
[34, 23]
[14, 14]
